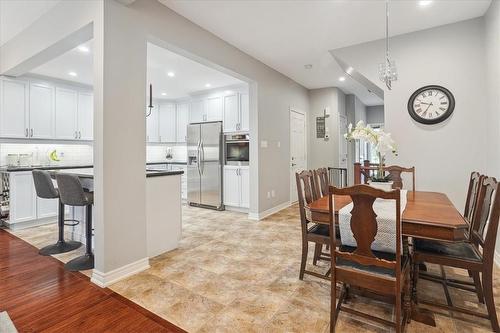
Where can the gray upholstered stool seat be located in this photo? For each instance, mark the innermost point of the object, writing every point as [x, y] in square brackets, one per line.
[71, 193]
[45, 189]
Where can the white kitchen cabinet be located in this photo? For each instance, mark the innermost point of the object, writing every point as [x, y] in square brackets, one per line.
[214, 109]
[197, 111]
[85, 116]
[41, 111]
[236, 186]
[152, 132]
[66, 113]
[167, 122]
[14, 104]
[46, 207]
[245, 187]
[231, 113]
[22, 197]
[182, 114]
[244, 112]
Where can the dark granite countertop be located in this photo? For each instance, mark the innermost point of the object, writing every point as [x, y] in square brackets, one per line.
[89, 172]
[62, 167]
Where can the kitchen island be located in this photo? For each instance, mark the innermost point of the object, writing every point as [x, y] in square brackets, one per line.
[163, 207]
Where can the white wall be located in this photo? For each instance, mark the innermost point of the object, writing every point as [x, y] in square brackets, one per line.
[451, 56]
[375, 114]
[492, 52]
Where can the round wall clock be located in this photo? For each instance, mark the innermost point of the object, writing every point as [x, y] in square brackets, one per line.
[431, 104]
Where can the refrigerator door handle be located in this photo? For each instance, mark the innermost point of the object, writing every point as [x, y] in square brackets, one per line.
[202, 158]
[198, 156]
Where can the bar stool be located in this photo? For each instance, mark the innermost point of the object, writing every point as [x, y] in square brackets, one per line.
[45, 189]
[72, 194]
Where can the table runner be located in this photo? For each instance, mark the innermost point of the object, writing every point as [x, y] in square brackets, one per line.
[385, 209]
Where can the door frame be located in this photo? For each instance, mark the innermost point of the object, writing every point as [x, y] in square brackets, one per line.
[342, 139]
[306, 146]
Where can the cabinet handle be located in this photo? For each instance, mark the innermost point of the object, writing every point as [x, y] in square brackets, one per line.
[26, 133]
[31, 134]
[79, 135]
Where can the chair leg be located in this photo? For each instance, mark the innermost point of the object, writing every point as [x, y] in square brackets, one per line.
[398, 312]
[407, 298]
[416, 270]
[305, 248]
[333, 305]
[479, 288]
[318, 248]
[490, 301]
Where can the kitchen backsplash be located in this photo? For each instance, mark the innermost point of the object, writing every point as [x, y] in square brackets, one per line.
[81, 154]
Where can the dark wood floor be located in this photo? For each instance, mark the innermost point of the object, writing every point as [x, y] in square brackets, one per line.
[40, 296]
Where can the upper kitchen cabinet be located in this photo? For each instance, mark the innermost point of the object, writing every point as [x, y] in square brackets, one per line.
[236, 112]
[85, 119]
[14, 108]
[66, 114]
[197, 112]
[182, 121]
[152, 130]
[167, 122]
[214, 109]
[41, 111]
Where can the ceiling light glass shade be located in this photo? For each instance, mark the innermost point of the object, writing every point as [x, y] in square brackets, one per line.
[388, 72]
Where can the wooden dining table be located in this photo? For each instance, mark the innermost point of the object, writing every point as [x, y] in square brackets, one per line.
[429, 215]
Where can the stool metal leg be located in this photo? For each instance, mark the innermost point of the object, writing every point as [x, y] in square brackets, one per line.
[61, 246]
[87, 260]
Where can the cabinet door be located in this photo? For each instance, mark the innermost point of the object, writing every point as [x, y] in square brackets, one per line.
[22, 197]
[182, 121]
[231, 113]
[85, 116]
[245, 187]
[66, 113]
[13, 108]
[231, 187]
[152, 131]
[46, 207]
[197, 111]
[167, 122]
[41, 114]
[244, 112]
[214, 109]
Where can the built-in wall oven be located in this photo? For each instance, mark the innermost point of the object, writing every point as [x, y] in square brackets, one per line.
[237, 150]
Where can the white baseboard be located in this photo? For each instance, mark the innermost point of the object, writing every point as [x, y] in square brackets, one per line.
[497, 259]
[270, 211]
[104, 280]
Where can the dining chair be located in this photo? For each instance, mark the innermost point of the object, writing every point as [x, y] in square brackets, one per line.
[475, 255]
[382, 273]
[395, 172]
[322, 182]
[311, 232]
[472, 196]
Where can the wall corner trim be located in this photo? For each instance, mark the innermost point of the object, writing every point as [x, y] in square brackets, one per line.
[104, 280]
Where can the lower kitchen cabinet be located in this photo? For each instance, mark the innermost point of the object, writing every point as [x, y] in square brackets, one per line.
[236, 186]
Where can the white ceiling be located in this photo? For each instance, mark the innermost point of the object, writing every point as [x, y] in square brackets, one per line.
[286, 34]
[190, 76]
[17, 15]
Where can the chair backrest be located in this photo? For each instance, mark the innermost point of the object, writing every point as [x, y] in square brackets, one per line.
[472, 196]
[321, 179]
[364, 225]
[485, 222]
[44, 186]
[395, 172]
[71, 190]
[306, 194]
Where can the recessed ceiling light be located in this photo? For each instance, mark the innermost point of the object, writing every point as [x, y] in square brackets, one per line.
[308, 66]
[342, 78]
[424, 3]
[227, 92]
[72, 74]
[83, 48]
[171, 74]
[164, 94]
[208, 85]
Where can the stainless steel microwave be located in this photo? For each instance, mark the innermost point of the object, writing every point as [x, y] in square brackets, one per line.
[237, 150]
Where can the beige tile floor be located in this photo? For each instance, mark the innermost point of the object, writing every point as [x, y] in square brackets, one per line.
[231, 274]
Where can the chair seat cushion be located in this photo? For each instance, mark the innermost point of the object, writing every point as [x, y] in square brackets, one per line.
[370, 269]
[459, 250]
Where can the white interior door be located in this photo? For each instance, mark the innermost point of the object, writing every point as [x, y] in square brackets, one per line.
[298, 153]
[343, 149]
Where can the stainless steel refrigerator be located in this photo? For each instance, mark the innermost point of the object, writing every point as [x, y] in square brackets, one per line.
[204, 165]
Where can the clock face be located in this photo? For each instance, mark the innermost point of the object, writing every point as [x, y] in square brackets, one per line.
[431, 104]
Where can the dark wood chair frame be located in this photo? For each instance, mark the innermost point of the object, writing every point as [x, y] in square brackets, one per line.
[322, 182]
[364, 228]
[307, 193]
[363, 173]
[486, 214]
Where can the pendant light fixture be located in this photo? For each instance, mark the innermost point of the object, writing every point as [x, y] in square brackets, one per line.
[387, 69]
